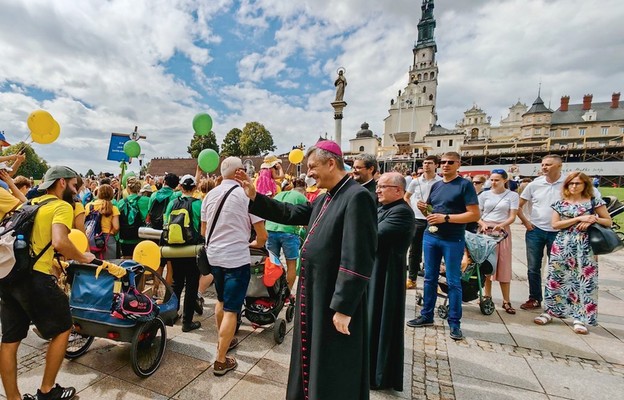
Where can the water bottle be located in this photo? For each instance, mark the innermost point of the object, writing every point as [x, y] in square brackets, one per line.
[20, 243]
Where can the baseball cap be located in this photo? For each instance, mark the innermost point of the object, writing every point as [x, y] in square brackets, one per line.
[3, 142]
[188, 180]
[147, 188]
[54, 173]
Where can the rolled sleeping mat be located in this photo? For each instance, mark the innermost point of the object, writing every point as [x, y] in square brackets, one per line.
[149, 233]
[180, 251]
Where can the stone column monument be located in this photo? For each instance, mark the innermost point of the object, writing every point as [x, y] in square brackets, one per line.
[339, 104]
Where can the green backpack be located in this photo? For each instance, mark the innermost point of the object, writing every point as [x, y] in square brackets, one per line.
[181, 230]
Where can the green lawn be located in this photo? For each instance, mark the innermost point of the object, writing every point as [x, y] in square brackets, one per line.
[619, 193]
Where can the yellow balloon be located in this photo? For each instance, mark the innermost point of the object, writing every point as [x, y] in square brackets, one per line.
[48, 137]
[147, 253]
[79, 239]
[40, 122]
[296, 156]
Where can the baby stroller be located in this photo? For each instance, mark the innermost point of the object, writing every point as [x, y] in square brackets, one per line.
[92, 304]
[481, 249]
[614, 207]
[263, 304]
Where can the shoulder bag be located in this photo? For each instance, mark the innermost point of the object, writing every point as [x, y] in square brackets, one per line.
[602, 240]
[202, 255]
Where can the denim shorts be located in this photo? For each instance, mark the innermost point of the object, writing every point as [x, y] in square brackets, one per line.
[36, 299]
[231, 286]
[287, 241]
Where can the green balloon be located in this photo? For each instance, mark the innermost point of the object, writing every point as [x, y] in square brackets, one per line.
[132, 148]
[208, 160]
[202, 124]
[124, 179]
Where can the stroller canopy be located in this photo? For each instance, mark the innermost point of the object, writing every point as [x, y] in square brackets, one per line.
[481, 248]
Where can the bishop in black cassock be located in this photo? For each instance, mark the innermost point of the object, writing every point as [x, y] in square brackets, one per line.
[386, 290]
[336, 262]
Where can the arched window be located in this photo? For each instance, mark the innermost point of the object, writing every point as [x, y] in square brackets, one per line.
[430, 97]
[361, 148]
[425, 89]
[419, 77]
[432, 75]
[426, 77]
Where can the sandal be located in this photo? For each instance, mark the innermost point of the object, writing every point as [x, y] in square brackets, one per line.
[543, 319]
[580, 328]
[508, 308]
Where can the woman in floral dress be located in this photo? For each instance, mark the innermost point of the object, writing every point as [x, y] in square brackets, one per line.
[572, 283]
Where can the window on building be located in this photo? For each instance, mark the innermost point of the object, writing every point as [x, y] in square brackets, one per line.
[564, 133]
[361, 148]
[604, 130]
[425, 89]
[419, 77]
[529, 119]
[439, 143]
[419, 100]
[539, 119]
[622, 130]
[582, 131]
[450, 142]
[426, 76]
[537, 131]
[430, 97]
[527, 132]
[432, 75]
[552, 133]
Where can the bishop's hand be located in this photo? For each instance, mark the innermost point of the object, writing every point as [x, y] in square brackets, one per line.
[243, 179]
[341, 322]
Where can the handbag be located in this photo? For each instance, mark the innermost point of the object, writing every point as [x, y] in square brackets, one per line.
[202, 255]
[601, 239]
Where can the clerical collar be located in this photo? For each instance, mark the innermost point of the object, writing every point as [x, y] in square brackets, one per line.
[339, 185]
[367, 182]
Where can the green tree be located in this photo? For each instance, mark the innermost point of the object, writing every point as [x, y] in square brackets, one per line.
[231, 143]
[90, 172]
[33, 165]
[199, 143]
[255, 139]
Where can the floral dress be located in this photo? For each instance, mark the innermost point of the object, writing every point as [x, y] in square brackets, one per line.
[572, 282]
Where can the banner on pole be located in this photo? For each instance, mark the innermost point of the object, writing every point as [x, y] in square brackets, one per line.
[115, 148]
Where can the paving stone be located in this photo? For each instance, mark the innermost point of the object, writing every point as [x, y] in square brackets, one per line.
[469, 388]
[111, 388]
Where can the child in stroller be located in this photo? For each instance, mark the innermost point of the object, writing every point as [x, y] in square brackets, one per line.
[479, 260]
[268, 293]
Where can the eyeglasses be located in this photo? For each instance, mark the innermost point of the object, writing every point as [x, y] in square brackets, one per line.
[576, 183]
[477, 183]
[449, 162]
[358, 168]
[386, 186]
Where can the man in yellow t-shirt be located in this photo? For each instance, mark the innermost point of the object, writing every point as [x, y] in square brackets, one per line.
[7, 202]
[22, 300]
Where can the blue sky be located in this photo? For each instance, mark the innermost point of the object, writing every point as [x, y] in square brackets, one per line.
[102, 67]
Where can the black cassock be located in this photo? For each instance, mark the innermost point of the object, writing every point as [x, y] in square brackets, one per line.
[386, 295]
[336, 262]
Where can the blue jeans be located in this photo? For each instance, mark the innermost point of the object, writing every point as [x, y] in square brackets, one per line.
[536, 240]
[452, 250]
[289, 242]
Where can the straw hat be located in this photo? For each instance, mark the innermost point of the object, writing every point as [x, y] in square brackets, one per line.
[270, 161]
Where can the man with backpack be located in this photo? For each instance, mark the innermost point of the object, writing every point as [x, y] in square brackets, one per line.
[160, 200]
[132, 214]
[183, 218]
[36, 297]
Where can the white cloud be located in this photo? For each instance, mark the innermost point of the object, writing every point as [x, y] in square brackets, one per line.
[104, 64]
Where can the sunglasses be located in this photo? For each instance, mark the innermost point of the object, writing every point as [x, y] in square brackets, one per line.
[449, 162]
[477, 183]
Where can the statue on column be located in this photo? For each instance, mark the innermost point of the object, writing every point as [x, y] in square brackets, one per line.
[340, 83]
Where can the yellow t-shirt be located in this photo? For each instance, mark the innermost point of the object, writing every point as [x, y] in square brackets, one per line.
[107, 221]
[55, 212]
[78, 209]
[7, 202]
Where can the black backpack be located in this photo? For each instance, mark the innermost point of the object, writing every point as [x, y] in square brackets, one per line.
[130, 220]
[180, 230]
[156, 213]
[16, 256]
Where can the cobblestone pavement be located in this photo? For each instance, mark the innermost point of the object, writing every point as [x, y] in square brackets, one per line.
[502, 357]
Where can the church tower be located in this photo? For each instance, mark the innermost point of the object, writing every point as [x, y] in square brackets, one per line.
[412, 113]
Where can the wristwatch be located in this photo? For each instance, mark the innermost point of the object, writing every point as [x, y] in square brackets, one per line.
[447, 218]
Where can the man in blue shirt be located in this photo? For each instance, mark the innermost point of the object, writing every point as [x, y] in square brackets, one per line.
[452, 204]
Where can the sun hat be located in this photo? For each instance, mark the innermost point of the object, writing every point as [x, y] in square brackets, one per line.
[270, 161]
[54, 173]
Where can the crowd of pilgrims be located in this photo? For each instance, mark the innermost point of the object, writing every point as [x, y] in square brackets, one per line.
[499, 199]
